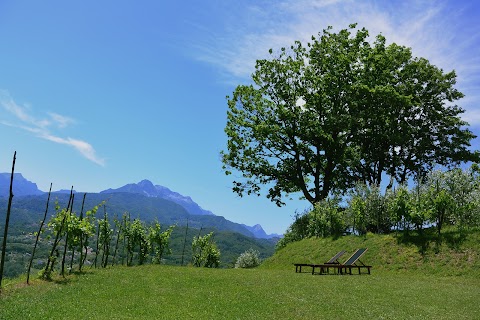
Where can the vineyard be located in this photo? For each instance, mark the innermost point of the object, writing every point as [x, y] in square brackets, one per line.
[83, 233]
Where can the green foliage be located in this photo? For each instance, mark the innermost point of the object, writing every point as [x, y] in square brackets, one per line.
[205, 252]
[298, 230]
[230, 244]
[248, 259]
[105, 237]
[57, 227]
[367, 210]
[401, 206]
[159, 241]
[321, 117]
[137, 238]
[453, 197]
[326, 219]
[442, 198]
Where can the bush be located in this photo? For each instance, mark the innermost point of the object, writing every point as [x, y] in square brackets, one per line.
[248, 259]
[205, 252]
[326, 219]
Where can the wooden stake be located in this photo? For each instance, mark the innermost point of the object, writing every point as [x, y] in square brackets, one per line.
[38, 235]
[7, 220]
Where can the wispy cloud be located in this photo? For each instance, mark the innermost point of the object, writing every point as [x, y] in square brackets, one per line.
[437, 30]
[23, 118]
[60, 121]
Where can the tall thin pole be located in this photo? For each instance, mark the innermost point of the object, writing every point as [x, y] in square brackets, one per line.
[7, 220]
[80, 263]
[184, 243]
[67, 236]
[38, 235]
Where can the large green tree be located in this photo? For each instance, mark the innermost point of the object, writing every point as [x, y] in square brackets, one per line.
[321, 117]
[409, 121]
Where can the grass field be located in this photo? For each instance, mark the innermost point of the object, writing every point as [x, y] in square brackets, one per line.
[168, 292]
[412, 278]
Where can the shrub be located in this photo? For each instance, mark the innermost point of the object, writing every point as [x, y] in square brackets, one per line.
[248, 259]
[205, 252]
[326, 219]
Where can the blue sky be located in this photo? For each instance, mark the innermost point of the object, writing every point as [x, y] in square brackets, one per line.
[98, 94]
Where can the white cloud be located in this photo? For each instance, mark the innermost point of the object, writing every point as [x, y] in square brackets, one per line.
[23, 119]
[436, 30]
[83, 147]
[472, 116]
[10, 106]
[59, 120]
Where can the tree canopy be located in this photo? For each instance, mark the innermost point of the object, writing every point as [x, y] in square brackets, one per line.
[340, 110]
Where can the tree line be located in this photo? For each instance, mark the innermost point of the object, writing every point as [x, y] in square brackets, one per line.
[442, 198]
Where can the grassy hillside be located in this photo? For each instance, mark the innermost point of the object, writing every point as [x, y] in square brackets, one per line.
[453, 254]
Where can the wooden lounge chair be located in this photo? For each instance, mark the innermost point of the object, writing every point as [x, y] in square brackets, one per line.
[355, 262]
[333, 260]
[346, 267]
[298, 266]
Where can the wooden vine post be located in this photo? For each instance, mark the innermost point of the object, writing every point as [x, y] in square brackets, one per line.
[68, 215]
[38, 235]
[184, 243]
[52, 257]
[80, 262]
[7, 221]
[119, 232]
[96, 250]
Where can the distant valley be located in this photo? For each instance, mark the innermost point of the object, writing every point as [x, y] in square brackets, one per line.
[143, 199]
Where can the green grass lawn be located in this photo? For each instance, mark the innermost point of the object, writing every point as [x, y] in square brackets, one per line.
[168, 292]
[413, 277]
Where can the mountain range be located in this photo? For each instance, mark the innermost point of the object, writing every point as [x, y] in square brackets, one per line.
[21, 186]
[142, 198]
[145, 187]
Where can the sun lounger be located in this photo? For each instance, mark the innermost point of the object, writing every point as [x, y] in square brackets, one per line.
[355, 262]
[333, 260]
[346, 267]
